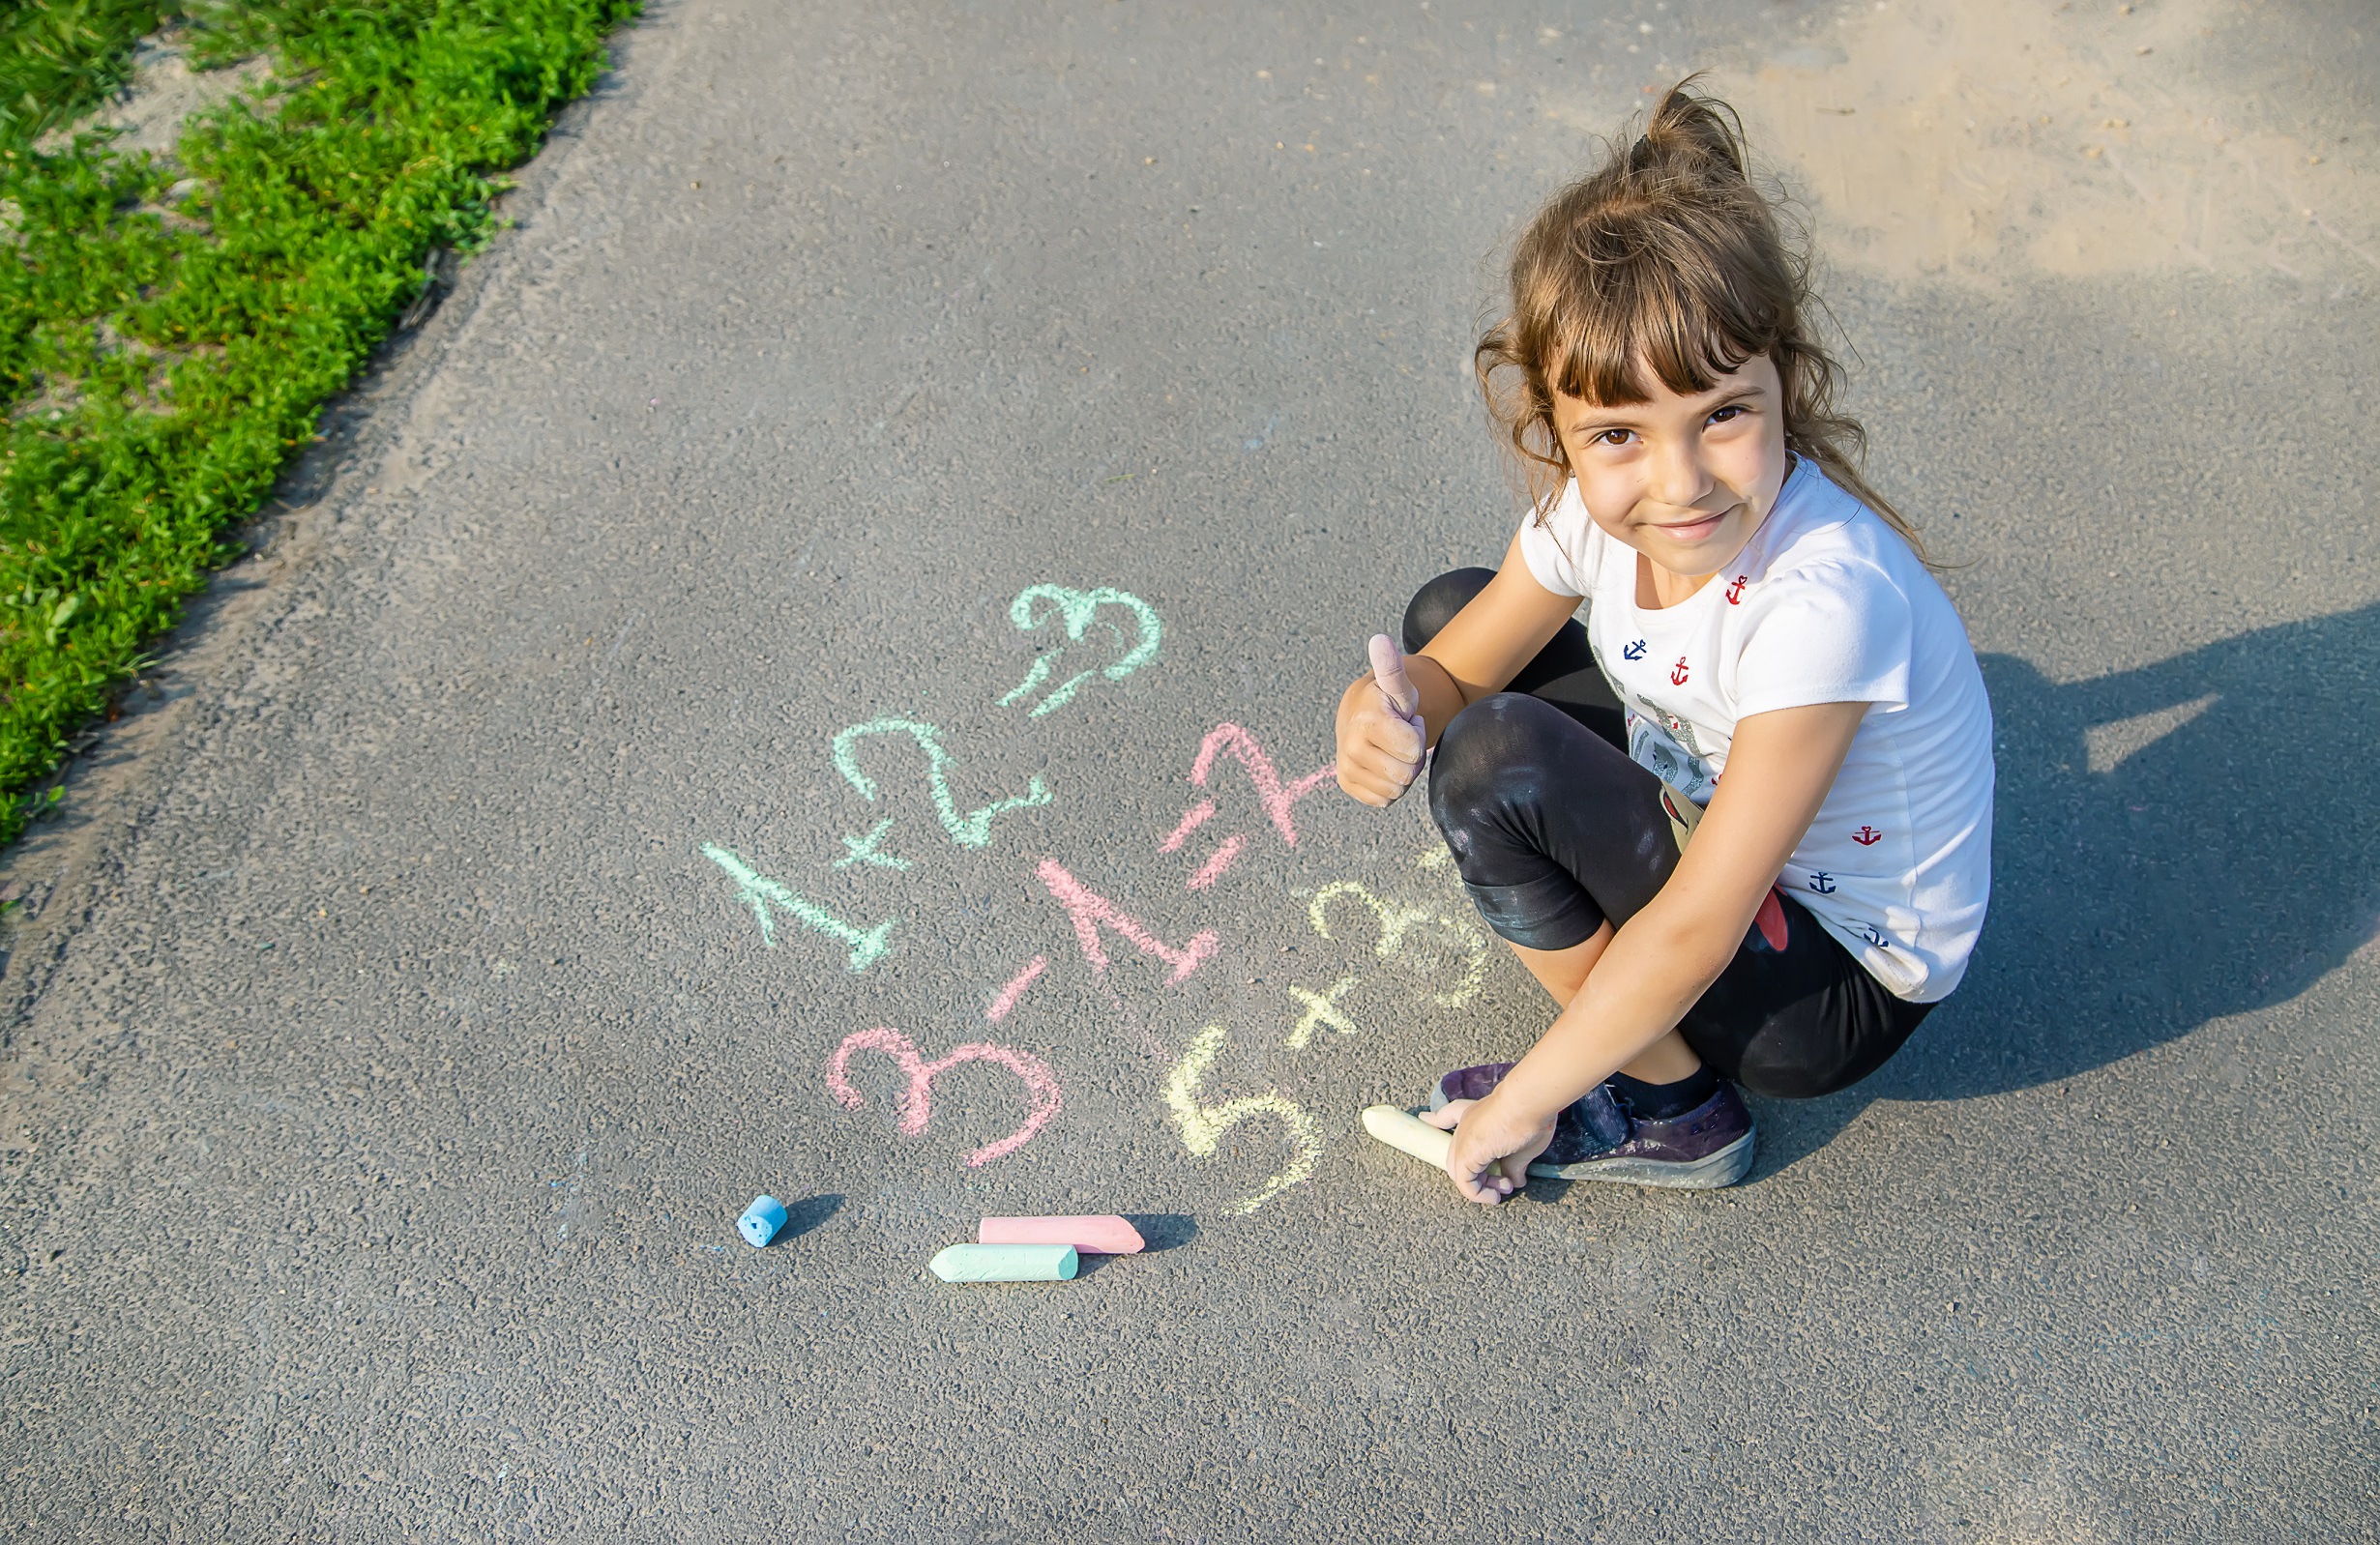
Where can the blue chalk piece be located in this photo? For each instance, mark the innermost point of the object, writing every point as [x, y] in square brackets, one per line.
[761, 1220]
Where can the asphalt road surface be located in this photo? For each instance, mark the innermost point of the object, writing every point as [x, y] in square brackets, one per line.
[493, 890]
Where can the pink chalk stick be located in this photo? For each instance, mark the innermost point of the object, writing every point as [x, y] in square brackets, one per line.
[1089, 1236]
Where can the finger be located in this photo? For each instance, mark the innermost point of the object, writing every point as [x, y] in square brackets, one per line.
[1476, 1184]
[1446, 1115]
[1371, 788]
[1387, 774]
[1388, 668]
[1475, 1178]
[1399, 739]
[1393, 750]
[1516, 1163]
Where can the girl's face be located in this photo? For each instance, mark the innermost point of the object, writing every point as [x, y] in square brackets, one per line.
[1683, 481]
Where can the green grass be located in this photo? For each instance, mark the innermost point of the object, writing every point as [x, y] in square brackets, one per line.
[169, 332]
[58, 58]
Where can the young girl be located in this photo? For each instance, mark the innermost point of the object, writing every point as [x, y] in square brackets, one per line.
[1768, 667]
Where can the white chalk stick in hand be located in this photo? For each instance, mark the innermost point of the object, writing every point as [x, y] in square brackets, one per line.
[1408, 1133]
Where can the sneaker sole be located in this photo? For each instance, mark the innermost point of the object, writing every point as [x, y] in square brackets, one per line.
[1711, 1172]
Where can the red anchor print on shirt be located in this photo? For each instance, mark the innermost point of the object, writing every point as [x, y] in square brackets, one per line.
[1735, 590]
[1867, 836]
[1677, 672]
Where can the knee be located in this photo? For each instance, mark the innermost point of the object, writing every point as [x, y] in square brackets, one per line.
[1495, 746]
[1435, 604]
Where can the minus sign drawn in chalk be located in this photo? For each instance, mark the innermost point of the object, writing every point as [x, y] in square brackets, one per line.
[1101, 1234]
[1007, 1262]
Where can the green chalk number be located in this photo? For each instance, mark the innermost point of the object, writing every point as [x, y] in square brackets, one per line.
[970, 828]
[761, 894]
[1037, 605]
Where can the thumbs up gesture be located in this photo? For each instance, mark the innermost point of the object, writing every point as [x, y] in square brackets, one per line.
[1381, 736]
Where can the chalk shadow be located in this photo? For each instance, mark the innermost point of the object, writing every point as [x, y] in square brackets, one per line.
[1159, 1230]
[2211, 861]
[1164, 1231]
[807, 1214]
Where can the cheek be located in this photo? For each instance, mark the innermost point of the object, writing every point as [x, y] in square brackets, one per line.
[1610, 494]
[1753, 465]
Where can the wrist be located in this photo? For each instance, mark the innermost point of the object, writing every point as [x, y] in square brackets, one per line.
[1514, 1102]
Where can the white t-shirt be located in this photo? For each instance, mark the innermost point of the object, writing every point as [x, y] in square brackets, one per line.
[1826, 605]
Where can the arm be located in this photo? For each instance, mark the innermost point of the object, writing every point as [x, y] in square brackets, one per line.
[1484, 646]
[1778, 771]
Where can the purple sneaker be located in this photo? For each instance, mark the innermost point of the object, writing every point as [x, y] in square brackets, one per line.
[1597, 1139]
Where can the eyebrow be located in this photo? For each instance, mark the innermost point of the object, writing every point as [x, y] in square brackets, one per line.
[1619, 418]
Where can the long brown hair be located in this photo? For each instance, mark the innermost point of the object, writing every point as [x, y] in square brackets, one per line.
[1668, 255]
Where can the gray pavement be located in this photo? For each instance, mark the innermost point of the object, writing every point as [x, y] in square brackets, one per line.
[390, 1058]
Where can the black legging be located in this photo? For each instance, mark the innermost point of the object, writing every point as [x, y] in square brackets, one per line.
[1555, 831]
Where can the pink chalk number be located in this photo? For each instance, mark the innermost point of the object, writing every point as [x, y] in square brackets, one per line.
[1230, 740]
[1090, 911]
[917, 1100]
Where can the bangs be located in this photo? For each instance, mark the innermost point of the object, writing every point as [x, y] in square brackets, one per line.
[1668, 300]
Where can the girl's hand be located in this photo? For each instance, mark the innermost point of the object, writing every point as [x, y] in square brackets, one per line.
[1380, 734]
[1490, 1155]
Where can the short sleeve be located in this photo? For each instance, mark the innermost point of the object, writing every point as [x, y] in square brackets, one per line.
[1833, 634]
[1557, 547]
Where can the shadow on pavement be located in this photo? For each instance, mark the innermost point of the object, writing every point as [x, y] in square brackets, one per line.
[1162, 1230]
[807, 1214]
[2174, 844]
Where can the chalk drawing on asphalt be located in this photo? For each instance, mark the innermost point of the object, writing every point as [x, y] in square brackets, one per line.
[970, 828]
[1203, 1125]
[1077, 610]
[865, 946]
[917, 1100]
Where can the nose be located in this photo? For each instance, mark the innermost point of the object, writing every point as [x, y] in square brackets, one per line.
[1679, 478]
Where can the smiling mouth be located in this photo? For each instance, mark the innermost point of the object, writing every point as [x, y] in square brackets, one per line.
[1696, 530]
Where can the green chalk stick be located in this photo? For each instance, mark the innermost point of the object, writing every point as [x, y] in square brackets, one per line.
[1007, 1262]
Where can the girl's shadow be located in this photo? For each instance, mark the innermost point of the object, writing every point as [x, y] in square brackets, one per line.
[2177, 843]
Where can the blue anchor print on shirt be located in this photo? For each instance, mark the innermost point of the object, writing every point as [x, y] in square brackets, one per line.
[1823, 883]
[1633, 651]
[1874, 936]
